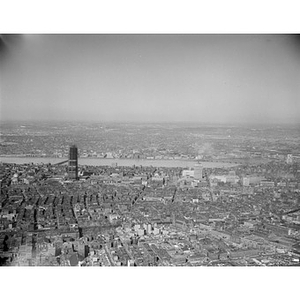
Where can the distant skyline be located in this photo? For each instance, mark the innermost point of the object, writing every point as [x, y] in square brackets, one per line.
[151, 78]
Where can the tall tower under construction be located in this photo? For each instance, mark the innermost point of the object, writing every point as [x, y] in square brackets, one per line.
[73, 163]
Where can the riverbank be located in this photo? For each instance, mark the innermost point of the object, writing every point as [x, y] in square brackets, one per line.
[169, 163]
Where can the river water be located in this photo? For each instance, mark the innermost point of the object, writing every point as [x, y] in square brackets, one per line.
[170, 163]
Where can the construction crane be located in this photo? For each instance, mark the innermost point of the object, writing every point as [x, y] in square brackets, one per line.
[61, 163]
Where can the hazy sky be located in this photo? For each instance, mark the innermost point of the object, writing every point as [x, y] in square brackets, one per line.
[198, 78]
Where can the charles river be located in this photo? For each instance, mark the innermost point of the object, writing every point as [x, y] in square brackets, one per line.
[169, 163]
